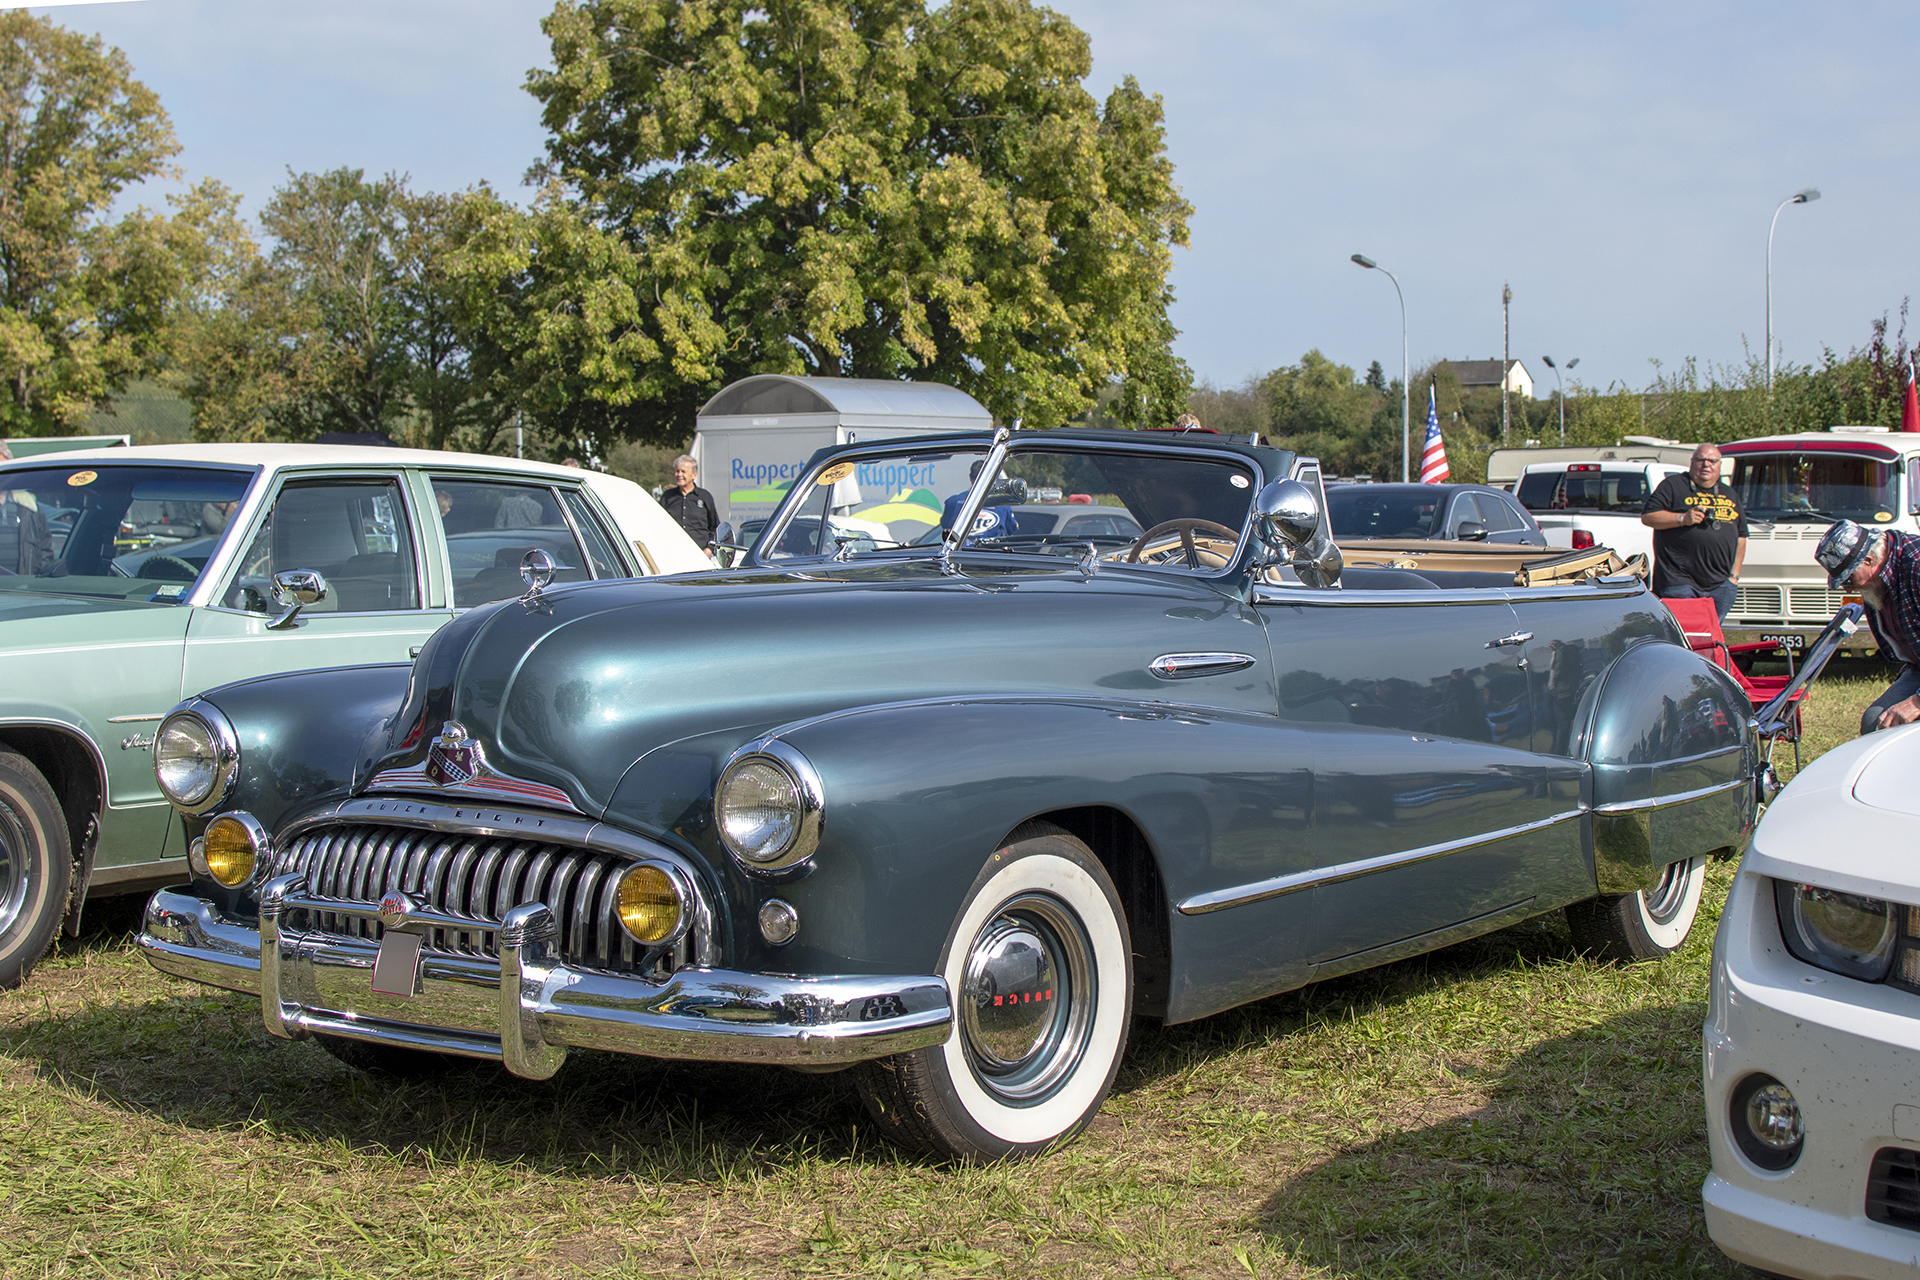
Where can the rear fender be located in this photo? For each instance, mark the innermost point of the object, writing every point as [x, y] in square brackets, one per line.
[1669, 738]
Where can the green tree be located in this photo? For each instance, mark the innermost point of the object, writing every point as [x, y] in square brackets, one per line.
[864, 188]
[85, 302]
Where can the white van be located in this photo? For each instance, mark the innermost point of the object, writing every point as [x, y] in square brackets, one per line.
[1792, 488]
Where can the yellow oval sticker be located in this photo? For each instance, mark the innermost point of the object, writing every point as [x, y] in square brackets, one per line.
[1881, 517]
[79, 478]
[836, 473]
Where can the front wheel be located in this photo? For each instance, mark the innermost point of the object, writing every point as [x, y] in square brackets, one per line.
[36, 868]
[1647, 925]
[1040, 965]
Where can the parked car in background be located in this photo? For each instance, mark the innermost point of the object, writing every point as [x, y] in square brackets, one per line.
[950, 816]
[1792, 488]
[1452, 512]
[1592, 503]
[1812, 1035]
[130, 577]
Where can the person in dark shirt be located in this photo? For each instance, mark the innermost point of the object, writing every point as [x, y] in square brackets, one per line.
[1884, 567]
[691, 506]
[1699, 534]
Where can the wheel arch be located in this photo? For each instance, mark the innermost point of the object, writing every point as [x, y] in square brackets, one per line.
[71, 764]
[1123, 849]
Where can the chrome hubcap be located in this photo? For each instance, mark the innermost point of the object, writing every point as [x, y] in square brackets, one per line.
[13, 866]
[1027, 997]
[1664, 899]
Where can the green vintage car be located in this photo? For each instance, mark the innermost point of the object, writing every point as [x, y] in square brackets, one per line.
[132, 577]
[951, 816]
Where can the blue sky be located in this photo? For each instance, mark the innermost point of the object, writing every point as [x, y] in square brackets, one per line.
[1616, 163]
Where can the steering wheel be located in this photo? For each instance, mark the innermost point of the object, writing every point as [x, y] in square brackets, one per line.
[165, 568]
[1185, 528]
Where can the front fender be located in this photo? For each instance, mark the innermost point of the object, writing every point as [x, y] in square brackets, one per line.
[1669, 738]
[300, 734]
[918, 796]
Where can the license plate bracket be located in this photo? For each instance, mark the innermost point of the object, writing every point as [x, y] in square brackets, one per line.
[396, 967]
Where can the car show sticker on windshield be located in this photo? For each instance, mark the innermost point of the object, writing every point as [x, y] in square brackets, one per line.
[836, 473]
[1881, 517]
[79, 478]
[1239, 481]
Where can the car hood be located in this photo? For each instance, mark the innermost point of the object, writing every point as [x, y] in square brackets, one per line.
[17, 607]
[1849, 820]
[574, 694]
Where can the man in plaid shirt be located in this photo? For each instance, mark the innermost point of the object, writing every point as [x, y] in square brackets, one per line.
[1884, 566]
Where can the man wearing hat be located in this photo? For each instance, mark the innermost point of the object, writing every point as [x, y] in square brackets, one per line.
[1884, 567]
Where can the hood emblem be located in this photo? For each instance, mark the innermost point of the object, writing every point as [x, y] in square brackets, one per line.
[454, 758]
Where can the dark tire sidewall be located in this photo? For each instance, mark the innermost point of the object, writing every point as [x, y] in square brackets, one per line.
[35, 832]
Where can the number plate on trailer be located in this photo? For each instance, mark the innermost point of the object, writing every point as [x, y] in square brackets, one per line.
[396, 969]
[1794, 640]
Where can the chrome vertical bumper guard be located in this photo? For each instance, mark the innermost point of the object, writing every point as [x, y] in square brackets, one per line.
[527, 1009]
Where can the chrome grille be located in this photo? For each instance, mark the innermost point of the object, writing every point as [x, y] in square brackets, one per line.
[473, 875]
[1760, 600]
[1815, 601]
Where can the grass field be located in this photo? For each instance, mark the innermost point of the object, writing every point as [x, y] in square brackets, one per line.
[1500, 1108]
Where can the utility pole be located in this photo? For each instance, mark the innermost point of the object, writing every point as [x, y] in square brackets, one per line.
[1506, 305]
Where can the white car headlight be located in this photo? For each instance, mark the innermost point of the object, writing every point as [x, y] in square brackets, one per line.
[1843, 933]
[768, 805]
[195, 757]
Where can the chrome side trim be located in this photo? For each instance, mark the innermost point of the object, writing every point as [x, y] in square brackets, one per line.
[1286, 594]
[1279, 886]
[158, 715]
[526, 1011]
[1188, 666]
[1667, 802]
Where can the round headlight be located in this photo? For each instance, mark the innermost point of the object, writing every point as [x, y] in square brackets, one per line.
[649, 904]
[1842, 933]
[768, 805]
[1766, 1122]
[185, 759]
[232, 849]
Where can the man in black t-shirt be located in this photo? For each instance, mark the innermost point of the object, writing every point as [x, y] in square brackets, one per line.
[691, 506]
[1699, 533]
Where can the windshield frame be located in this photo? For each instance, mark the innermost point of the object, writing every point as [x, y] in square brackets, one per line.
[240, 518]
[1022, 442]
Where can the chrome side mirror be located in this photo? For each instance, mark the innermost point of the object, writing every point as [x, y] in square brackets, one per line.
[1288, 519]
[293, 591]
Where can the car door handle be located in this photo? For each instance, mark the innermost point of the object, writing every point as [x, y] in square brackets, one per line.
[1518, 637]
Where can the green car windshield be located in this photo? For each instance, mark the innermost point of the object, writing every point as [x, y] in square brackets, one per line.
[127, 532]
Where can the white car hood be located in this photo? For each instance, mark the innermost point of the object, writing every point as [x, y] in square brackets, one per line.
[1850, 821]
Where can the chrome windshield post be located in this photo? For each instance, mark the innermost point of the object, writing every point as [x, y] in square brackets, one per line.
[976, 496]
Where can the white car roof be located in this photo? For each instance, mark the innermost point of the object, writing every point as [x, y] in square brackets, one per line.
[1605, 464]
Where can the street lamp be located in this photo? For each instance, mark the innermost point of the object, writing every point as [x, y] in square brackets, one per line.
[1406, 369]
[1807, 196]
[1563, 391]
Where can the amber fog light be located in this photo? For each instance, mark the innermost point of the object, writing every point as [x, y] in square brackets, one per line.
[650, 904]
[232, 848]
[1766, 1122]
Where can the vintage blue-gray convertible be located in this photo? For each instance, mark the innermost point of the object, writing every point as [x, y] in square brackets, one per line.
[953, 814]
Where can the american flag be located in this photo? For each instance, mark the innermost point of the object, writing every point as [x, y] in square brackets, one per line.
[1433, 458]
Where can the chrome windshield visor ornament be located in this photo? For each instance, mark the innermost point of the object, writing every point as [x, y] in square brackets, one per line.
[454, 758]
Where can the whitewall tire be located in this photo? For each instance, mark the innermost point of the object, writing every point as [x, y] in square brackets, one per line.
[1641, 926]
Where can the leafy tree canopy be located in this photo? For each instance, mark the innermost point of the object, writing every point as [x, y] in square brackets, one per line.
[84, 302]
[860, 188]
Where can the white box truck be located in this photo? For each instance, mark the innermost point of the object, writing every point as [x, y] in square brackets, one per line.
[753, 439]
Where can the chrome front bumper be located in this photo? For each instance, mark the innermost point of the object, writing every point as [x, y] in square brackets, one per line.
[527, 1009]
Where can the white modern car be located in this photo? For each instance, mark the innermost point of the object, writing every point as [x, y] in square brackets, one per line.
[1813, 1030]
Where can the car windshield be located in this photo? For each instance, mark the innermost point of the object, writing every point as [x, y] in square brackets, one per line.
[130, 532]
[1584, 490]
[1379, 511]
[1047, 501]
[1819, 487]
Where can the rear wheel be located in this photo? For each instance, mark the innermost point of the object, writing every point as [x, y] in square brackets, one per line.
[1040, 967]
[36, 868]
[1647, 925]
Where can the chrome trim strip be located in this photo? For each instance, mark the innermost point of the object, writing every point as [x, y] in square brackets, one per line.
[537, 1009]
[1279, 886]
[1189, 666]
[1667, 802]
[1619, 767]
[1271, 593]
[158, 715]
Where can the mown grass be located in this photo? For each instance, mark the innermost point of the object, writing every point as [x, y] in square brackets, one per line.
[1500, 1108]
